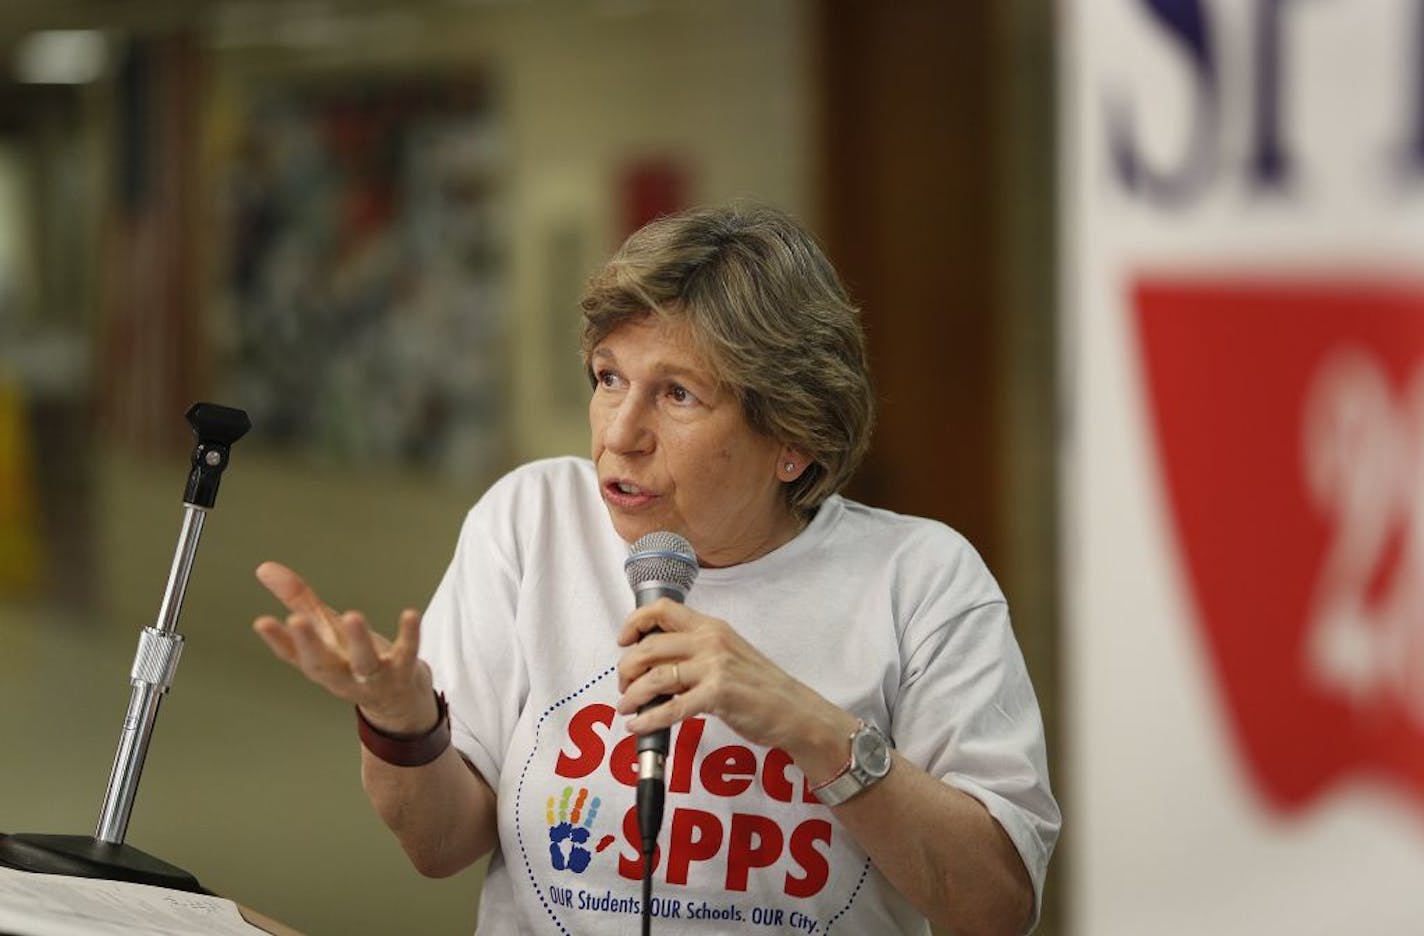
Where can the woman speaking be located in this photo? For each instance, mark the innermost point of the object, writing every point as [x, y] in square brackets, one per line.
[855, 745]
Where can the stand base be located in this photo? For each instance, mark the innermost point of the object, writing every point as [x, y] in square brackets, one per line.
[86, 856]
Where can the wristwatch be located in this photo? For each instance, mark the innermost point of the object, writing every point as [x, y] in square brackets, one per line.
[870, 760]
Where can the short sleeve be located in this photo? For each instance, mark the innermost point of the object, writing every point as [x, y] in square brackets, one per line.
[967, 713]
[469, 639]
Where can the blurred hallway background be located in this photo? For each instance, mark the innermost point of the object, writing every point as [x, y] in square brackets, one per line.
[367, 223]
[1142, 286]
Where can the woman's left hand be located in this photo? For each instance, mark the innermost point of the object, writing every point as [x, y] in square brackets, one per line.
[708, 668]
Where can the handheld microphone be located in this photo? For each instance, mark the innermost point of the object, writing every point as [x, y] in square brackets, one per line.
[660, 565]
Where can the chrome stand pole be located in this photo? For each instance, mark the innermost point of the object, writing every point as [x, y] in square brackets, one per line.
[154, 666]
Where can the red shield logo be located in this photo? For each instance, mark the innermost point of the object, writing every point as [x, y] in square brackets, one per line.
[1289, 419]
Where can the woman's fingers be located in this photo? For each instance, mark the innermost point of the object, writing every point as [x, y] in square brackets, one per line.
[651, 651]
[316, 657]
[403, 652]
[274, 635]
[340, 652]
[293, 591]
[360, 665]
[662, 615]
[706, 667]
[362, 656]
[671, 664]
[669, 678]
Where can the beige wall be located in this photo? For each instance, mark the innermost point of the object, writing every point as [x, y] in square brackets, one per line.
[723, 86]
[583, 88]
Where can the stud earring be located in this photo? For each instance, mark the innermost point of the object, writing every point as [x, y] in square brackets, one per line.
[790, 467]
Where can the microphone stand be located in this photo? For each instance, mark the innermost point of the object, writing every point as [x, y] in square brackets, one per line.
[104, 854]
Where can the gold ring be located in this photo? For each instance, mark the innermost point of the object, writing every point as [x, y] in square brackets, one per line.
[676, 679]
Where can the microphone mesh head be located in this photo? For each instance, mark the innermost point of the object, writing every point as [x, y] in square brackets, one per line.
[661, 557]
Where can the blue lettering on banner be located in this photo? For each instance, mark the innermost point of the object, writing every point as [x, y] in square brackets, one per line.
[1416, 147]
[1270, 165]
[1187, 22]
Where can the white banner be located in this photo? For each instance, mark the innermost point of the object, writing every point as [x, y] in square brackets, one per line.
[1242, 287]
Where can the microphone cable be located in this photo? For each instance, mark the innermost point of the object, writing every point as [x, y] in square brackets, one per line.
[647, 890]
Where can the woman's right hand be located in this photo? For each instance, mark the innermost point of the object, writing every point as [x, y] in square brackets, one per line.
[340, 653]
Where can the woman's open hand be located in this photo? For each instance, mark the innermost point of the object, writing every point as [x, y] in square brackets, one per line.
[340, 653]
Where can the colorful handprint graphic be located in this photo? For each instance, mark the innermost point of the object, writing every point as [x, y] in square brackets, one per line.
[569, 830]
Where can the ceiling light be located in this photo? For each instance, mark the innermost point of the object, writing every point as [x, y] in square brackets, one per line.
[61, 56]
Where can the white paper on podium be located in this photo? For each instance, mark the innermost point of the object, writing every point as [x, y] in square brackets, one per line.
[56, 905]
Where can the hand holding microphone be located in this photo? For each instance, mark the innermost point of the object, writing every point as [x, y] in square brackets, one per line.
[713, 670]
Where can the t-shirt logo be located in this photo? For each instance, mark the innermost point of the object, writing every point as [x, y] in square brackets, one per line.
[743, 839]
[746, 841]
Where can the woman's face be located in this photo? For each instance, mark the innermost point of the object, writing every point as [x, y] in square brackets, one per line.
[674, 452]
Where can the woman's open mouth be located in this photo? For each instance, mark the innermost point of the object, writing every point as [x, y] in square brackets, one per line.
[621, 493]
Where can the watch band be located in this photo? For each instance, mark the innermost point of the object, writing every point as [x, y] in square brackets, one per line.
[841, 788]
[854, 777]
[416, 751]
[845, 769]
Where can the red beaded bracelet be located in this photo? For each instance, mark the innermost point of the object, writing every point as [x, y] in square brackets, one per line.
[414, 751]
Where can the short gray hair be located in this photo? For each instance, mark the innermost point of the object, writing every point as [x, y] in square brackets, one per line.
[768, 313]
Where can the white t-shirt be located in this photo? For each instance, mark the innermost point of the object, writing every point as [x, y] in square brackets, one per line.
[894, 618]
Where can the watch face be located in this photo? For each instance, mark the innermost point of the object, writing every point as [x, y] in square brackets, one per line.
[872, 753]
